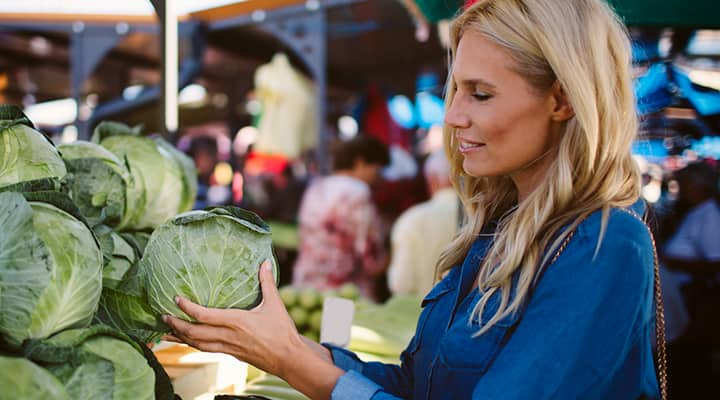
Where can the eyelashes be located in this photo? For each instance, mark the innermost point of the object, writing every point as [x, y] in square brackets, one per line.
[481, 96]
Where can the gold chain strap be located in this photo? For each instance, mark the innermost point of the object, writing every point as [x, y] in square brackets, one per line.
[659, 326]
[659, 316]
[659, 308]
[562, 246]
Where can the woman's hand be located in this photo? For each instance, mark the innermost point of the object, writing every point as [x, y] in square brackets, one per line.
[264, 336]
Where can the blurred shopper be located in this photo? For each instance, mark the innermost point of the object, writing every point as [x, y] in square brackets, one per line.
[341, 235]
[423, 231]
[547, 291]
[695, 245]
[693, 254]
[204, 151]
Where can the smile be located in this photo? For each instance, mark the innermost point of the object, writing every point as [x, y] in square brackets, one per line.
[466, 147]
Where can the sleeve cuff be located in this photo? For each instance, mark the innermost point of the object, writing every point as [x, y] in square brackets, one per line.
[344, 359]
[354, 386]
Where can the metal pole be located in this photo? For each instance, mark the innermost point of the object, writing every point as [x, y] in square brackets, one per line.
[169, 62]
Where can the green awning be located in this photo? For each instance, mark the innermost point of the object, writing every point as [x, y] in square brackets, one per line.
[699, 14]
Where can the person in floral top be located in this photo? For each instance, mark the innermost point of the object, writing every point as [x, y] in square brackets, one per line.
[341, 233]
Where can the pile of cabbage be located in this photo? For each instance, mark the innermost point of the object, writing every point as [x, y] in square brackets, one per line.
[97, 238]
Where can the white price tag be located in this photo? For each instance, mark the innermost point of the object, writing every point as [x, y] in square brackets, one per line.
[337, 318]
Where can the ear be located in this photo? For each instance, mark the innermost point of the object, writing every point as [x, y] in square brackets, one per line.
[562, 109]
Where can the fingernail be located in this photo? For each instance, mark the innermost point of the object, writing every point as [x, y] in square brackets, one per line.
[267, 265]
[177, 299]
[165, 318]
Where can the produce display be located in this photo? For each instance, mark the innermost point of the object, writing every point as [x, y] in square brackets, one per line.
[380, 332]
[305, 306]
[97, 240]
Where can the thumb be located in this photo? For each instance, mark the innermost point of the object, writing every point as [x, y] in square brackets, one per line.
[267, 282]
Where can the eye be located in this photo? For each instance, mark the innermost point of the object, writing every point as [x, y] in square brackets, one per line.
[480, 96]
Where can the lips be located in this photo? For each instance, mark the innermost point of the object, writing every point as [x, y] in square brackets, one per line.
[468, 145]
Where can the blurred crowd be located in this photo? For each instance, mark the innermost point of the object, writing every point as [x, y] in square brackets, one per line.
[686, 202]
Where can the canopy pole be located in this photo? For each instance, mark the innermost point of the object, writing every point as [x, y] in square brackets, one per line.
[167, 14]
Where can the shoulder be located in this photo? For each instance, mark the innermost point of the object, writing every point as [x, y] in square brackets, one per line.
[618, 258]
[622, 227]
[610, 248]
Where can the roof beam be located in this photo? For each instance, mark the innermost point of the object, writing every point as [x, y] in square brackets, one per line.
[70, 18]
[245, 7]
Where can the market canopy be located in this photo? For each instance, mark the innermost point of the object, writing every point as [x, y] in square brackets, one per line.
[132, 10]
[665, 13]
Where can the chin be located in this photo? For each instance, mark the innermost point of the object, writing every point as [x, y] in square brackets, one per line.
[478, 170]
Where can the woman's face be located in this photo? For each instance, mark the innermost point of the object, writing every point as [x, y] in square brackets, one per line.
[502, 124]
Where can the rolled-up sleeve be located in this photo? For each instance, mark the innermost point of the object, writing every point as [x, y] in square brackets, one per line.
[354, 386]
[343, 359]
[369, 380]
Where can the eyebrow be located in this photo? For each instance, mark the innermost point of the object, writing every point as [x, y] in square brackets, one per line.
[475, 82]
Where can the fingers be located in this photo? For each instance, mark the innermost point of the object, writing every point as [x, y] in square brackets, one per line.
[195, 333]
[211, 347]
[171, 338]
[211, 316]
[267, 283]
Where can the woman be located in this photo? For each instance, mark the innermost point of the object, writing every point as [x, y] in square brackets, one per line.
[548, 287]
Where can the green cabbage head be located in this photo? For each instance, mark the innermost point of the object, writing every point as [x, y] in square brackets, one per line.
[96, 363]
[210, 257]
[100, 184]
[124, 257]
[50, 267]
[25, 154]
[22, 379]
[166, 176]
[123, 303]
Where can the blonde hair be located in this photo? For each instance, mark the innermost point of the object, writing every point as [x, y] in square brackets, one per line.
[582, 45]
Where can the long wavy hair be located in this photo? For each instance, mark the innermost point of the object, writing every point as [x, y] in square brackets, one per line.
[584, 46]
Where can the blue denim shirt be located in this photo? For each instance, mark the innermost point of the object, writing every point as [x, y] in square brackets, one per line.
[586, 333]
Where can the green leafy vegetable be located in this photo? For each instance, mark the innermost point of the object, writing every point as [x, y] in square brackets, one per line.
[25, 154]
[50, 268]
[101, 184]
[95, 363]
[123, 258]
[166, 176]
[210, 257]
[22, 379]
[125, 307]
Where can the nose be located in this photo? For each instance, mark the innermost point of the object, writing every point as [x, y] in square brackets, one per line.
[455, 116]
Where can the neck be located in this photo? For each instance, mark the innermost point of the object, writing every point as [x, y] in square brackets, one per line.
[529, 176]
